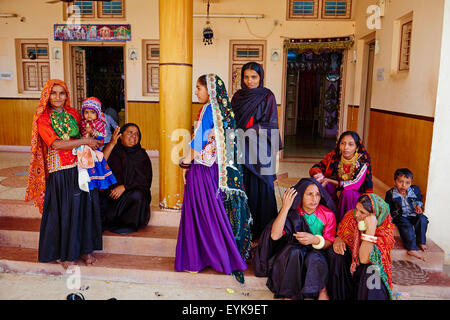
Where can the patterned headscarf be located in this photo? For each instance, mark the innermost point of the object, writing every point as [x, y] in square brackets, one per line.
[92, 103]
[38, 173]
[381, 253]
[230, 172]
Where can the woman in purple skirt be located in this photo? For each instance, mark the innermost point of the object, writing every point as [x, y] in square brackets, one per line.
[215, 218]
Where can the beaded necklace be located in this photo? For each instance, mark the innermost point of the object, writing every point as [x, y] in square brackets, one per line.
[64, 124]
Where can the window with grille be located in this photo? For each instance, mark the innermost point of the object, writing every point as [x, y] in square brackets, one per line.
[32, 64]
[405, 46]
[86, 8]
[151, 66]
[309, 9]
[336, 9]
[241, 53]
[302, 9]
[98, 9]
[113, 9]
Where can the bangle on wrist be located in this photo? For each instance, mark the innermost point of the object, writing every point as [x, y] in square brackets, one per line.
[321, 243]
[369, 238]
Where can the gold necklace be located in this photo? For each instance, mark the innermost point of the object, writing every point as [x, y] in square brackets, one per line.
[343, 163]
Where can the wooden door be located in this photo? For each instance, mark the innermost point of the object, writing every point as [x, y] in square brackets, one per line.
[291, 102]
[79, 76]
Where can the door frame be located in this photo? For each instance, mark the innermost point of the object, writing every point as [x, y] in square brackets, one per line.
[340, 121]
[68, 67]
[363, 117]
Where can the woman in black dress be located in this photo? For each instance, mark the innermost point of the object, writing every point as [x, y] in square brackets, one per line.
[293, 250]
[126, 205]
[256, 113]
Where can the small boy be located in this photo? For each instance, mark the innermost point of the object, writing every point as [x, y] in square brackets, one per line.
[405, 203]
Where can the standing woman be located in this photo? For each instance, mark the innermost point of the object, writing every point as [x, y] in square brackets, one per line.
[346, 169]
[215, 218]
[255, 108]
[71, 222]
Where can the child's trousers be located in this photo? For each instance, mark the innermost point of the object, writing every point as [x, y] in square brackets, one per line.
[412, 230]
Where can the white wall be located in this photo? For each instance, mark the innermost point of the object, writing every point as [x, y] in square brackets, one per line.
[439, 174]
[413, 92]
[142, 15]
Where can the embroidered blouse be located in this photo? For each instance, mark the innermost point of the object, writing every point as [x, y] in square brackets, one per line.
[204, 139]
[56, 159]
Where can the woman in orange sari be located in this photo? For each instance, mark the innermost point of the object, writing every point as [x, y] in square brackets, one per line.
[362, 249]
[71, 221]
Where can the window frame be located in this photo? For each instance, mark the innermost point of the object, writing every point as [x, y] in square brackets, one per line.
[348, 15]
[234, 44]
[319, 8]
[290, 14]
[401, 63]
[39, 62]
[149, 62]
[97, 11]
[101, 15]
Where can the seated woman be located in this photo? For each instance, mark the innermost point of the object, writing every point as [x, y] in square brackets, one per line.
[362, 248]
[126, 204]
[292, 251]
[346, 169]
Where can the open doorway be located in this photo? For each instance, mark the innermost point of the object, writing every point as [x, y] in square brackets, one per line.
[313, 95]
[99, 71]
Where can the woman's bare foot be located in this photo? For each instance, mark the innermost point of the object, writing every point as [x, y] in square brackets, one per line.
[66, 264]
[423, 247]
[323, 294]
[89, 259]
[416, 254]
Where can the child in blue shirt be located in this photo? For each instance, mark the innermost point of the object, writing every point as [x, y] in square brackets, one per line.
[405, 203]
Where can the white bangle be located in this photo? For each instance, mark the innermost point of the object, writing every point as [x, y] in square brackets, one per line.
[321, 243]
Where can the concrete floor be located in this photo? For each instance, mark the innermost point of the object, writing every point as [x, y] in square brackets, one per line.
[32, 287]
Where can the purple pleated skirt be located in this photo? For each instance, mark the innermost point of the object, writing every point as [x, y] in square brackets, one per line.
[346, 201]
[205, 237]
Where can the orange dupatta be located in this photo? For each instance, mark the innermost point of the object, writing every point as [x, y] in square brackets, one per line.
[38, 173]
[349, 232]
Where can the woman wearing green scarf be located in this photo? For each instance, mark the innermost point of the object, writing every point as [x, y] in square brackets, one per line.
[362, 250]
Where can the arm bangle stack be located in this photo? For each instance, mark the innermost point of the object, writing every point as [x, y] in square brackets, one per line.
[321, 243]
[366, 237]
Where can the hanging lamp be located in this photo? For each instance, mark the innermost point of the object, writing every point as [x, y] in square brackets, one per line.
[208, 33]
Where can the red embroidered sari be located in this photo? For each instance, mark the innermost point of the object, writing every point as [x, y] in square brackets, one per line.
[38, 173]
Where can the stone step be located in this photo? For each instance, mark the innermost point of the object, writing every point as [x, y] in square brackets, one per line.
[127, 268]
[22, 209]
[437, 287]
[162, 240]
[435, 256]
[149, 241]
[159, 270]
